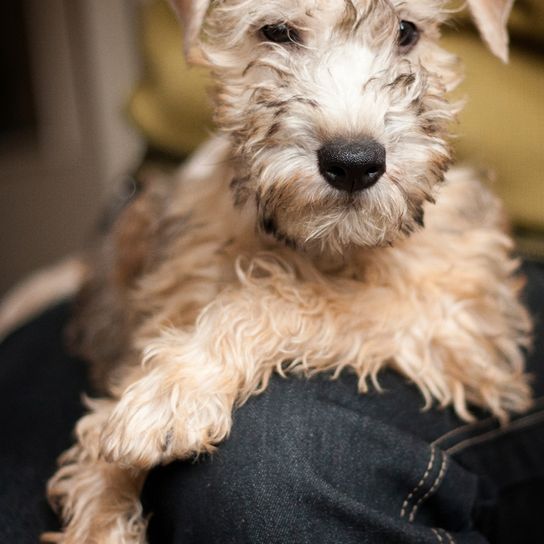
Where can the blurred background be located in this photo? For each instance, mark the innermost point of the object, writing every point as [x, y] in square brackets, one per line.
[94, 92]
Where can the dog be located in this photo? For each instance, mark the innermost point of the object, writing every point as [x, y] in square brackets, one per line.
[321, 229]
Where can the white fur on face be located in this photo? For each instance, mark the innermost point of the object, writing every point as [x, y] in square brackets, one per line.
[346, 80]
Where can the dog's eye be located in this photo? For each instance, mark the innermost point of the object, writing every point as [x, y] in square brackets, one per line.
[280, 33]
[408, 36]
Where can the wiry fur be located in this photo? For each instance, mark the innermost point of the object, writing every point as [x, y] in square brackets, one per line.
[248, 263]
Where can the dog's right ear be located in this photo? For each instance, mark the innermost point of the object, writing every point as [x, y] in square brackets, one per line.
[191, 13]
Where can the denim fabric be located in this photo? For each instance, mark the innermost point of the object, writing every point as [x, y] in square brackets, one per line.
[40, 401]
[314, 462]
[307, 461]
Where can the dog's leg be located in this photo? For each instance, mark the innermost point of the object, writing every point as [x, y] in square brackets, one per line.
[97, 501]
[180, 402]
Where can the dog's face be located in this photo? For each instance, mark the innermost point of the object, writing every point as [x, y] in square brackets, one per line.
[337, 110]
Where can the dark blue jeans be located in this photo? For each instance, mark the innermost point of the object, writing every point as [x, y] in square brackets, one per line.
[313, 461]
[309, 461]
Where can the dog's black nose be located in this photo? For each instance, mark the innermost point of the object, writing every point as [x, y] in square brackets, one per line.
[352, 166]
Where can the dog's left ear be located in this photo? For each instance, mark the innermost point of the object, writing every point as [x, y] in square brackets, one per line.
[191, 14]
[491, 17]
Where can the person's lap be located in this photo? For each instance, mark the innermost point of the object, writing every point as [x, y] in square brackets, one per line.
[40, 401]
[313, 461]
[307, 461]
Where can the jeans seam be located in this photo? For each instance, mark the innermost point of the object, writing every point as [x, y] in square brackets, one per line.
[518, 424]
[420, 484]
[436, 484]
[463, 428]
[477, 424]
[438, 534]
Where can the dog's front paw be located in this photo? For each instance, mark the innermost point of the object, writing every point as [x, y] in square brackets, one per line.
[154, 424]
[134, 437]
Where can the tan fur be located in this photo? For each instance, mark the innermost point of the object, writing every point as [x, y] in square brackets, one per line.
[99, 499]
[491, 17]
[37, 292]
[210, 303]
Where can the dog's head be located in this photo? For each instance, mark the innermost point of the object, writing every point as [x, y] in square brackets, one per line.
[337, 109]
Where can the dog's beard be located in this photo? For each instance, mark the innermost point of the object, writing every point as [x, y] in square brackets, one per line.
[297, 207]
[329, 220]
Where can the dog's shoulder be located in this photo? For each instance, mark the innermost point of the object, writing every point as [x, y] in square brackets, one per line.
[466, 201]
[465, 232]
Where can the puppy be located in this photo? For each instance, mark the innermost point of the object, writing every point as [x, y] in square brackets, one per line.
[317, 231]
